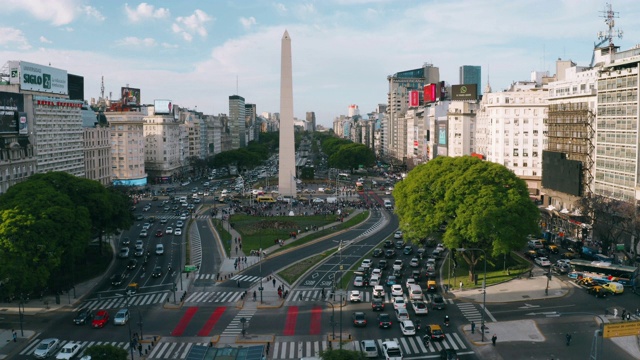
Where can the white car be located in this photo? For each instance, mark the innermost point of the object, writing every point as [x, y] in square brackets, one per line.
[543, 261]
[46, 348]
[355, 296]
[407, 328]
[375, 280]
[358, 281]
[398, 302]
[396, 290]
[391, 350]
[69, 351]
[378, 291]
[169, 230]
[563, 261]
[397, 235]
[159, 249]
[414, 262]
[376, 272]
[369, 348]
[179, 224]
[366, 263]
[177, 231]
[146, 226]
[410, 281]
[163, 220]
[398, 264]
[183, 217]
[420, 307]
[317, 201]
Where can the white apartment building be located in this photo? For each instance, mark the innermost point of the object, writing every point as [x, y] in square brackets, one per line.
[462, 127]
[511, 130]
[97, 148]
[163, 147]
[127, 148]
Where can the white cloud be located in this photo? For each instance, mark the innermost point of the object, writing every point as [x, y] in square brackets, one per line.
[45, 40]
[192, 25]
[133, 41]
[247, 23]
[280, 8]
[92, 12]
[68, 29]
[61, 12]
[10, 37]
[169, 46]
[304, 11]
[145, 11]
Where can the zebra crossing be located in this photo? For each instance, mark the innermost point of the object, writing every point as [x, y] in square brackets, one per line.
[121, 301]
[177, 217]
[214, 296]
[31, 346]
[235, 326]
[411, 346]
[248, 278]
[367, 296]
[470, 312]
[196, 245]
[172, 350]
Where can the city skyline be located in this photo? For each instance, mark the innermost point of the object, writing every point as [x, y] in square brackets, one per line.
[200, 53]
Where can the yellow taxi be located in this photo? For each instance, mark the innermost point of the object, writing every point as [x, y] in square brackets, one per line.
[614, 287]
[554, 249]
[431, 285]
[434, 332]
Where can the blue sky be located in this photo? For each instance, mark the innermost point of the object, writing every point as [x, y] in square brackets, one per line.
[197, 53]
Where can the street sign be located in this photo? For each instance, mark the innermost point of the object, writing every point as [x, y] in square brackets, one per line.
[627, 328]
[189, 268]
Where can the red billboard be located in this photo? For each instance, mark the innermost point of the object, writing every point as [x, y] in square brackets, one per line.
[414, 98]
[430, 93]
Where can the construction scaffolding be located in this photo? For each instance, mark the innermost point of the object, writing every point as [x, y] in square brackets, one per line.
[570, 130]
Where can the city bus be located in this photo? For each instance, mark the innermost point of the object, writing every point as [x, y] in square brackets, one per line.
[262, 199]
[603, 272]
[359, 187]
[344, 177]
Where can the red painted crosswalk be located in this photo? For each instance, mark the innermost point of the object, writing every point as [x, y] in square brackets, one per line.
[213, 319]
[184, 321]
[316, 320]
[290, 322]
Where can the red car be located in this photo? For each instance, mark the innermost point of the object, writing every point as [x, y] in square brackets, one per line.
[159, 233]
[101, 319]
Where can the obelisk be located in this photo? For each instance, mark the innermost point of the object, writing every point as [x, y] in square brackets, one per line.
[287, 166]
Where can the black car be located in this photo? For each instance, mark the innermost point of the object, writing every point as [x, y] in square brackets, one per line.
[397, 274]
[157, 272]
[388, 244]
[389, 254]
[382, 264]
[408, 250]
[116, 279]
[399, 244]
[126, 241]
[437, 302]
[384, 321]
[415, 275]
[377, 253]
[132, 264]
[83, 316]
[377, 304]
[359, 319]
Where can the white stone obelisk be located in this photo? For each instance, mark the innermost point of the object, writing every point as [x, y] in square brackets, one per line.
[287, 166]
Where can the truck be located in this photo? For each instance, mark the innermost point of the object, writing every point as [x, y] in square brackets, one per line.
[332, 200]
[388, 204]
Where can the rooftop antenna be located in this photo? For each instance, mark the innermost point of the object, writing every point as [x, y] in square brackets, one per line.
[609, 15]
[237, 85]
[102, 88]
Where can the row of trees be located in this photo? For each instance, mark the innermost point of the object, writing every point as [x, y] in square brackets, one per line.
[480, 205]
[345, 154]
[46, 226]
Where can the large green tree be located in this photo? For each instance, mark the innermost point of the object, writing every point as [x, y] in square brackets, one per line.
[481, 205]
[351, 156]
[341, 354]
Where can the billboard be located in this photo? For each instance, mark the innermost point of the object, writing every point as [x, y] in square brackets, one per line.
[34, 77]
[162, 107]
[76, 87]
[464, 92]
[130, 96]
[11, 104]
[442, 135]
[430, 93]
[414, 98]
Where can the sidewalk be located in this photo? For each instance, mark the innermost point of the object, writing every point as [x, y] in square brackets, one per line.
[534, 288]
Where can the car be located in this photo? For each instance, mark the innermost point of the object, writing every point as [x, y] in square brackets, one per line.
[437, 302]
[409, 282]
[399, 244]
[561, 268]
[531, 254]
[599, 292]
[117, 278]
[366, 263]
[554, 249]
[586, 282]
[46, 348]
[159, 249]
[100, 319]
[384, 321]
[535, 244]
[419, 308]
[317, 201]
[431, 261]
[542, 253]
[569, 255]
[415, 275]
[376, 272]
[414, 262]
[139, 217]
[139, 244]
[139, 252]
[144, 233]
[377, 304]
[183, 216]
[132, 264]
[430, 271]
[122, 317]
[163, 220]
[382, 264]
[169, 230]
[408, 250]
[125, 241]
[355, 296]
[421, 251]
[436, 253]
[159, 233]
[179, 224]
[398, 274]
[432, 286]
[398, 264]
[388, 244]
[69, 351]
[391, 350]
[543, 261]
[83, 316]
[390, 253]
[615, 287]
[391, 280]
[396, 290]
[358, 281]
[375, 280]
[146, 226]
[177, 232]
[434, 332]
[448, 354]
[563, 261]
[398, 302]
[359, 319]
[408, 328]
[397, 235]
[157, 272]
[369, 348]
[124, 253]
[377, 253]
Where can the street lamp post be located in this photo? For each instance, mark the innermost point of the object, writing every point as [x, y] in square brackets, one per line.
[484, 287]
[21, 315]
[140, 323]
[129, 323]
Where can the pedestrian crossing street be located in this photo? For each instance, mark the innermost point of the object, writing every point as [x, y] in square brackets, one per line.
[30, 348]
[176, 217]
[367, 296]
[411, 347]
[121, 301]
[214, 296]
[172, 350]
[242, 278]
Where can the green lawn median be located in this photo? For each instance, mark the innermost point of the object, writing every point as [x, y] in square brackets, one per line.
[499, 270]
[293, 272]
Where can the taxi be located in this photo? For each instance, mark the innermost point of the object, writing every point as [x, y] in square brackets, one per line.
[614, 287]
[431, 285]
[434, 332]
[598, 291]
[553, 249]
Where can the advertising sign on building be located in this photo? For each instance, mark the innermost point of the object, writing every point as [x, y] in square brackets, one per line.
[442, 135]
[162, 107]
[414, 98]
[22, 124]
[11, 104]
[130, 96]
[34, 77]
[464, 92]
[430, 94]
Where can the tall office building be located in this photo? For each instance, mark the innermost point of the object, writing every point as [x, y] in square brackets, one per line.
[471, 74]
[237, 121]
[311, 119]
[287, 164]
